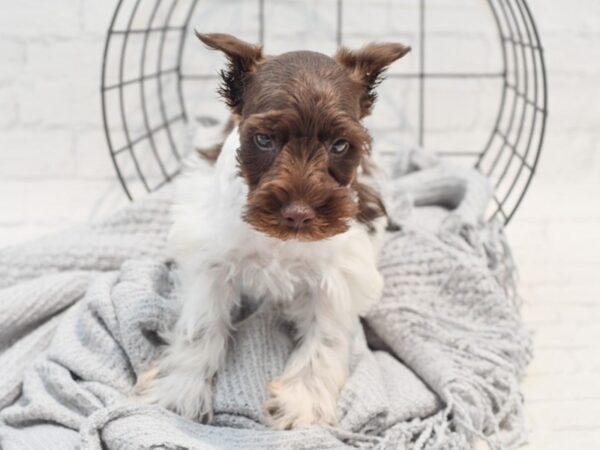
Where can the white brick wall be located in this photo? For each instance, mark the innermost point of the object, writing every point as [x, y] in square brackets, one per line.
[55, 169]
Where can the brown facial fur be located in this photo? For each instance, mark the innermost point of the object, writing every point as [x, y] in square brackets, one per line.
[305, 102]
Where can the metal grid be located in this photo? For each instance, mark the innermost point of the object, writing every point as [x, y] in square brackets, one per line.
[148, 154]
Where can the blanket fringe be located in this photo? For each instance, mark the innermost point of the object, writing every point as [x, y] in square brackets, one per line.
[485, 401]
[482, 396]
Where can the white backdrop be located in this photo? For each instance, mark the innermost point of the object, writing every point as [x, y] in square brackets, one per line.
[55, 171]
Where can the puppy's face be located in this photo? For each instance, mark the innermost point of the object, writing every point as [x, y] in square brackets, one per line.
[302, 140]
[301, 145]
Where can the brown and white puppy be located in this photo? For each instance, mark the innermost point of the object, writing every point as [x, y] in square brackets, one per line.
[283, 217]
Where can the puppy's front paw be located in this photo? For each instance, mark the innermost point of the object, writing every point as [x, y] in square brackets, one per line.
[188, 396]
[297, 402]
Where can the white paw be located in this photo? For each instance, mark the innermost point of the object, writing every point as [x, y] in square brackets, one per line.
[183, 394]
[297, 402]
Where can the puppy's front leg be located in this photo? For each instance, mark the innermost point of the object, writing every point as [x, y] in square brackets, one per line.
[307, 391]
[182, 379]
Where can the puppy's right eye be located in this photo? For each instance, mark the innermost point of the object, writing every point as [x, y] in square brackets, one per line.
[264, 142]
[339, 147]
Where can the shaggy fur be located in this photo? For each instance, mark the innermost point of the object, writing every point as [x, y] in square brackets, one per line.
[283, 218]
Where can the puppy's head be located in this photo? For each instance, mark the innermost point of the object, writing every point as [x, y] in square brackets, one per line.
[301, 136]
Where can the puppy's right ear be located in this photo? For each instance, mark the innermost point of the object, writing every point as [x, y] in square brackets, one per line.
[242, 59]
[367, 66]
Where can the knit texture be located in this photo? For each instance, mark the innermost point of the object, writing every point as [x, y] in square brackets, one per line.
[436, 367]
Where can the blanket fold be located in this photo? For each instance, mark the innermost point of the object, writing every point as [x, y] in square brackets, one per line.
[81, 314]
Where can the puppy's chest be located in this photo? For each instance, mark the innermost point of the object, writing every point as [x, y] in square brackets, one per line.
[280, 280]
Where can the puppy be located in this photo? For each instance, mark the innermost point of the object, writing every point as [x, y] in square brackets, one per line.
[283, 217]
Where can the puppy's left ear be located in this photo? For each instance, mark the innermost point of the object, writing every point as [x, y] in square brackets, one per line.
[242, 58]
[367, 65]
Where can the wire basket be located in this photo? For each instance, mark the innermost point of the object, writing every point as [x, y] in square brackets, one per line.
[491, 115]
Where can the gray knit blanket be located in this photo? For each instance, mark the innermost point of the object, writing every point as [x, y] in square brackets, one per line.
[437, 365]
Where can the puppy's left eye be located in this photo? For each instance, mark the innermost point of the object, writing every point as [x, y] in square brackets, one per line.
[339, 147]
[264, 141]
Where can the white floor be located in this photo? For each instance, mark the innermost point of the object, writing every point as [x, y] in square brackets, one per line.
[556, 241]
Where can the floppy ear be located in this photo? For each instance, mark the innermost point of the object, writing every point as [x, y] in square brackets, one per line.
[242, 59]
[367, 65]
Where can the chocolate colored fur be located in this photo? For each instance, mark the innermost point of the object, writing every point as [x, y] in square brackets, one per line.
[306, 101]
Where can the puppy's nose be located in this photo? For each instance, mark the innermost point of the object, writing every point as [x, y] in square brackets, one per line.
[298, 215]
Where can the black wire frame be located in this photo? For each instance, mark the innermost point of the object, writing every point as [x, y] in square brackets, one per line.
[509, 158]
